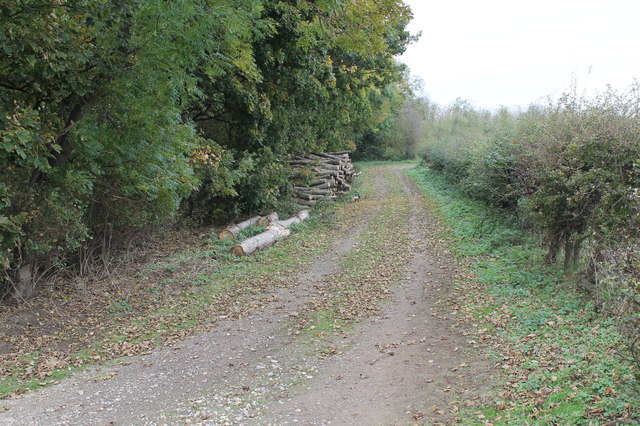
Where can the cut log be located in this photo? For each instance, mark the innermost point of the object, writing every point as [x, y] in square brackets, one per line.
[327, 184]
[268, 219]
[299, 218]
[276, 230]
[331, 156]
[260, 241]
[325, 173]
[303, 163]
[327, 160]
[313, 191]
[330, 167]
[303, 195]
[317, 182]
[233, 231]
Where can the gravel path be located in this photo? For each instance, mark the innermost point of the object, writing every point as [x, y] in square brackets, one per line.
[409, 363]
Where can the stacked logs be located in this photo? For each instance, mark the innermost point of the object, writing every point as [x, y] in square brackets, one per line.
[331, 174]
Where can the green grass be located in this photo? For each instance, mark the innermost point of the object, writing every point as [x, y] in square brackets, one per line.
[560, 357]
[201, 298]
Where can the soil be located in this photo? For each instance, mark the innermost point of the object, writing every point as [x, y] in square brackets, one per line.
[410, 362]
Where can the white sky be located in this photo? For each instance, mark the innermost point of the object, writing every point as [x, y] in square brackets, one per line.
[515, 52]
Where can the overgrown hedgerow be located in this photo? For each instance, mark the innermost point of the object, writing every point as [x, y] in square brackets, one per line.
[570, 170]
[563, 362]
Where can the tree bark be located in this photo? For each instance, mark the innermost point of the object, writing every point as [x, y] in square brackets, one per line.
[303, 195]
[278, 229]
[268, 219]
[299, 218]
[312, 191]
[260, 241]
[232, 232]
[323, 185]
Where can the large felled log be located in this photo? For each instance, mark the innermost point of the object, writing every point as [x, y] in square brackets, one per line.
[260, 241]
[278, 229]
[326, 159]
[268, 219]
[318, 171]
[299, 218]
[233, 231]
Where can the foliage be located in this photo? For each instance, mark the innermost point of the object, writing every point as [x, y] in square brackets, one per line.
[403, 118]
[568, 167]
[558, 355]
[569, 170]
[116, 113]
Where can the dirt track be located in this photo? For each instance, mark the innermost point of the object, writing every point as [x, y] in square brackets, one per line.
[409, 362]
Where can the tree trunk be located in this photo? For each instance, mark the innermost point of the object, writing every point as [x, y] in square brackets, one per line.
[303, 195]
[325, 185]
[24, 284]
[268, 219]
[58, 158]
[260, 241]
[299, 218]
[232, 232]
[313, 191]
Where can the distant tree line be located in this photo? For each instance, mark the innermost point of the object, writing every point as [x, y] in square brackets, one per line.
[117, 115]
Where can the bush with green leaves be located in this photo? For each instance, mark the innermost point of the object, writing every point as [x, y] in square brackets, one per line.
[569, 169]
[115, 113]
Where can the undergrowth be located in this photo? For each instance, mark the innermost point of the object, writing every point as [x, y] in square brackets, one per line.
[560, 358]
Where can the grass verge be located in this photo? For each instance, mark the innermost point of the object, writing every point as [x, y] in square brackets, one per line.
[164, 302]
[559, 357]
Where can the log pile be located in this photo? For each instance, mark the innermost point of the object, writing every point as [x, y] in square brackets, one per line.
[330, 174]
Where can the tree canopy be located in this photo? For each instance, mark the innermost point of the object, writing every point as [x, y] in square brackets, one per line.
[115, 114]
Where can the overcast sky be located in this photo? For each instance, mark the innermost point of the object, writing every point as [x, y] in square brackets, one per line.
[513, 53]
